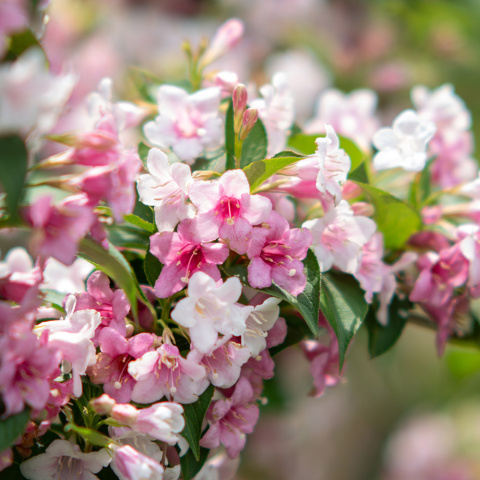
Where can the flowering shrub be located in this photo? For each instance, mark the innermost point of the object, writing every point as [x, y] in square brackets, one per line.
[226, 236]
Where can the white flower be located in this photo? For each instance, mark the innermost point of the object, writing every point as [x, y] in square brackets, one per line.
[166, 188]
[64, 460]
[209, 310]
[66, 278]
[405, 144]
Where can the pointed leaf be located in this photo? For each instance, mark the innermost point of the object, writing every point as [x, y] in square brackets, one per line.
[92, 436]
[191, 465]
[20, 42]
[12, 427]
[343, 304]
[194, 414]
[152, 267]
[229, 138]
[304, 143]
[352, 150]
[359, 174]
[139, 222]
[254, 147]
[262, 170]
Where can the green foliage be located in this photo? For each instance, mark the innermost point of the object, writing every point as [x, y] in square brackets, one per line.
[12, 427]
[420, 188]
[394, 218]
[194, 414]
[139, 222]
[382, 338]
[19, 43]
[297, 330]
[143, 152]
[262, 170]
[13, 168]
[343, 304]
[89, 435]
[191, 465]
[352, 150]
[152, 267]
[254, 147]
[359, 174]
[229, 138]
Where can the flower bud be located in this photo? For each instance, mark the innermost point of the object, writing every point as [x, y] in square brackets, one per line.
[249, 118]
[103, 405]
[133, 465]
[125, 413]
[239, 100]
[226, 37]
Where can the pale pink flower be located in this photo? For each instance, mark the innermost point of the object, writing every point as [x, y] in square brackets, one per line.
[277, 111]
[219, 467]
[210, 309]
[276, 254]
[111, 368]
[231, 419]
[226, 81]
[166, 189]
[405, 144]
[132, 465]
[226, 37]
[227, 206]
[183, 253]
[351, 115]
[63, 459]
[188, 124]
[258, 369]
[164, 372]
[339, 236]
[59, 228]
[66, 279]
[470, 248]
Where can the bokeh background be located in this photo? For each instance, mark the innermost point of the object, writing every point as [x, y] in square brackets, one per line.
[407, 414]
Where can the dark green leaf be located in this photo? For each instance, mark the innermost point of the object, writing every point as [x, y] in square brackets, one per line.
[297, 330]
[12, 473]
[229, 138]
[128, 237]
[20, 42]
[394, 218]
[145, 212]
[13, 168]
[92, 436]
[194, 415]
[352, 150]
[288, 153]
[152, 267]
[359, 174]
[381, 338]
[344, 306]
[12, 427]
[262, 170]
[139, 222]
[191, 465]
[254, 147]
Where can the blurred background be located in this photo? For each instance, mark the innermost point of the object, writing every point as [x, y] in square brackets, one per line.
[407, 414]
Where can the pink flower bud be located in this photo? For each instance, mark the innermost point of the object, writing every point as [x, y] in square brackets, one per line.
[133, 465]
[124, 413]
[362, 208]
[249, 118]
[226, 37]
[103, 405]
[239, 99]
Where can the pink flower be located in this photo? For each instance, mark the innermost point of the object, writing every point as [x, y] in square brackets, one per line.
[13, 17]
[211, 309]
[338, 238]
[59, 228]
[163, 372]
[112, 305]
[132, 465]
[6, 459]
[187, 123]
[111, 368]
[226, 37]
[351, 115]
[183, 253]
[63, 459]
[276, 254]
[226, 205]
[231, 419]
[166, 188]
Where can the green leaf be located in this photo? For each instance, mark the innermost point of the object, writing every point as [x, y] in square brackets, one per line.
[421, 187]
[113, 263]
[229, 138]
[394, 218]
[359, 174]
[54, 298]
[352, 150]
[262, 170]
[152, 267]
[139, 222]
[381, 338]
[304, 143]
[92, 436]
[12, 427]
[344, 306]
[143, 152]
[20, 42]
[254, 147]
[191, 465]
[194, 414]
[13, 168]
[288, 153]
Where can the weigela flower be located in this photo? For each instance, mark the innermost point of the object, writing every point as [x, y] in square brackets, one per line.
[188, 124]
[63, 459]
[231, 419]
[276, 110]
[166, 189]
[225, 205]
[405, 144]
[351, 115]
[338, 237]
[164, 372]
[183, 253]
[210, 309]
[276, 254]
[226, 37]
[129, 464]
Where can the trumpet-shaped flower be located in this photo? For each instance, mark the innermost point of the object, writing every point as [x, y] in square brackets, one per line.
[129, 464]
[166, 189]
[187, 123]
[210, 310]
